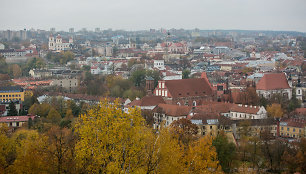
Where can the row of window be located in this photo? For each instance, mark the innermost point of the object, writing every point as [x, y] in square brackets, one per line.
[11, 95]
[293, 129]
[8, 100]
[161, 93]
[242, 116]
[290, 135]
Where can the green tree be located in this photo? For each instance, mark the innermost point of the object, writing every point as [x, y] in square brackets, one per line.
[12, 111]
[186, 74]
[294, 102]
[54, 116]
[3, 65]
[138, 78]
[226, 152]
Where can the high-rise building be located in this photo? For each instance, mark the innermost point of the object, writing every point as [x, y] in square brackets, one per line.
[97, 30]
[8, 34]
[71, 30]
[23, 34]
[52, 30]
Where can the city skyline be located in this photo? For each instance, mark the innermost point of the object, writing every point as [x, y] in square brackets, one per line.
[135, 15]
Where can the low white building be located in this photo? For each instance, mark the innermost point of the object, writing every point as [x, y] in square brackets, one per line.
[159, 64]
[240, 112]
[2, 46]
[95, 70]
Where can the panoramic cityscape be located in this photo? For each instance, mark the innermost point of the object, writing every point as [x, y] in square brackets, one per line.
[153, 87]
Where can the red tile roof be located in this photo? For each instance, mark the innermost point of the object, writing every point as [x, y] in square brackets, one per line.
[9, 119]
[301, 111]
[273, 81]
[300, 123]
[174, 110]
[188, 87]
[243, 109]
[148, 101]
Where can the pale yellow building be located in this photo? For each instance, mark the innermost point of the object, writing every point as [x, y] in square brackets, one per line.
[292, 128]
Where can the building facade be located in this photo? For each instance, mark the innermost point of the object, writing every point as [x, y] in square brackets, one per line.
[58, 44]
[189, 92]
[273, 83]
[11, 93]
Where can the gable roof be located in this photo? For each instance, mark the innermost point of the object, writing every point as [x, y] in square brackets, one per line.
[188, 87]
[148, 101]
[174, 110]
[8, 119]
[273, 81]
[243, 109]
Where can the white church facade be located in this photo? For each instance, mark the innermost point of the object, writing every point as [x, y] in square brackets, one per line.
[58, 44]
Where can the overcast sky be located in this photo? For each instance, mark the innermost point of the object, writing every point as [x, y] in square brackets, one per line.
[287, 15]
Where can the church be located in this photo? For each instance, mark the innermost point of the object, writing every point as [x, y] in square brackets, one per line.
[58, 44]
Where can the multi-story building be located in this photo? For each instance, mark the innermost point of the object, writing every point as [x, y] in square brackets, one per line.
[255, 127]
[165, 114]
[239, 112]
[190, 92]
[11, 93]
[36, 73]
[13, 53]
[211, 124]
[67, 83]
[292, 128]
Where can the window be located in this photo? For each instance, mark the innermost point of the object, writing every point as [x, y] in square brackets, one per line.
[282, 128]
[194, 103]
[288, 129]
[186, 103]
[210, 127]
[293, 129]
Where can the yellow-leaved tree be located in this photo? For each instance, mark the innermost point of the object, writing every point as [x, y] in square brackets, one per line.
[202, 157]
[111, 140]
[275, 110]
[6, 147]
[32, 155]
